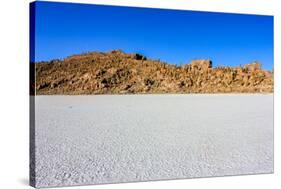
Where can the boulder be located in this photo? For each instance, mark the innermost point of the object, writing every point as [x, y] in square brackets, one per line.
[201, 64]
[253, 66]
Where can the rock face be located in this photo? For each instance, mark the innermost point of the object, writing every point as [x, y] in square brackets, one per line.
[116, 72]
[201, 64]
[253, 67]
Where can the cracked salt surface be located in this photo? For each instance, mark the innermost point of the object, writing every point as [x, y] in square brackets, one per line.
[125, 138]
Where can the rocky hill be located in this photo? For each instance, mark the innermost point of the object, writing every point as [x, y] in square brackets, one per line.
[116, 72]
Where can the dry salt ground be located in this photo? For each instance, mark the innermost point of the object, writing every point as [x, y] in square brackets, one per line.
[125, 138]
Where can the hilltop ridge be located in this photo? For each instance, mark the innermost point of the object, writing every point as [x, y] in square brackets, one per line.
[116, 72]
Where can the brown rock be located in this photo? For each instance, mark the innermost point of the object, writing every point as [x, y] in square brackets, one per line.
[116, 72]
[253, 66]
[201, 64]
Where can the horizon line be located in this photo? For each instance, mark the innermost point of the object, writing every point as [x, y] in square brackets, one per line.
[153, 59]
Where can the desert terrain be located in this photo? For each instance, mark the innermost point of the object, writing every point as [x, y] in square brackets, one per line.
[94, 139]
[117, 72]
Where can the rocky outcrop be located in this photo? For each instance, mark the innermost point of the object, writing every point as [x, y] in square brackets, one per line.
[201, 64]
[116, 72]
[253, 66]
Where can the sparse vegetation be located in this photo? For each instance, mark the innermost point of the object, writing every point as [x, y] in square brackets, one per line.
[116, 72]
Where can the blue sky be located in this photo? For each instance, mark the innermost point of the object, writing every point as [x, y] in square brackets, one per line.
[63, 29]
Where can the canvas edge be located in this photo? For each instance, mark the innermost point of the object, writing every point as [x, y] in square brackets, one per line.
[32, 161]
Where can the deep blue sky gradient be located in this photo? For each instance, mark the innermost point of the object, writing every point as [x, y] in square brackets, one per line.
[63, 29]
